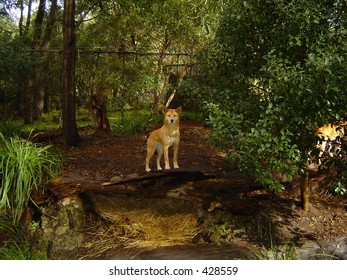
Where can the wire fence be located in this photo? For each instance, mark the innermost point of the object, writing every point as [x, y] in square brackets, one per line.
[124, 79]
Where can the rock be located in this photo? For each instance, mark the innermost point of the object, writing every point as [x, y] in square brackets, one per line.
[312, 250]
[63, 224]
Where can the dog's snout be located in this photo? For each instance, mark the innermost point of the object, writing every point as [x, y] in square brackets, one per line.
[172, 120]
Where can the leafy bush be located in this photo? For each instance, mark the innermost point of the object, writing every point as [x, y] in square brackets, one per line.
[190, 92]
[274, 85]
[260, 149]
[24, 166]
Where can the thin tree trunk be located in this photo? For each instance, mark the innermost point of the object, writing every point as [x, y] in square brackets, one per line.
[43, 69]
[158, 96]
[20, 23]
[70, 132]
[29, 95]
[27, 24]
[304, 191]
[28, 100]
[23, 101]
[38, 78]
[39, 23]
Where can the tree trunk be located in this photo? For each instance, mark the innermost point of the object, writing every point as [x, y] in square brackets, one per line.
[28, 20]
[70, 132]
[21, 18]
[43, 69]
[39, 23]
[304, 191]
[158, 95]
[28, 100]
[23, 98]
[29, 95]
[98, 111]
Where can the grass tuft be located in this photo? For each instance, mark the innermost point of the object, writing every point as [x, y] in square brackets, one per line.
[24, 166]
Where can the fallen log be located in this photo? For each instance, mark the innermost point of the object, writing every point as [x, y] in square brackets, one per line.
[154, 183]
[46, 136]
[64, 187]
[189, 185]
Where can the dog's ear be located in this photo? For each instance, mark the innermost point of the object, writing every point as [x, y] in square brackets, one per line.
[164, 109]
[179, 110]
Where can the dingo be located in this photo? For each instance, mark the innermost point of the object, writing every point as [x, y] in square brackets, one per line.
[161, 139]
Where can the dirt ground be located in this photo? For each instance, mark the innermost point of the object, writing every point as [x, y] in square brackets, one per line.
[325, 222]
[103, 158]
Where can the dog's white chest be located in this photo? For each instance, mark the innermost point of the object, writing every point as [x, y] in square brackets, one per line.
[171, 140]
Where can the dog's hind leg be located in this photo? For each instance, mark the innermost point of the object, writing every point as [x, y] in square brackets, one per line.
[148, 158]
[150, 153]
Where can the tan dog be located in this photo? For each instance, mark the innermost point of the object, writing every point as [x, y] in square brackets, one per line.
[163, 138]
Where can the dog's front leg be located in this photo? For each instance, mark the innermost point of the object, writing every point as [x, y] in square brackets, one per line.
[175, 146]
[160, 153]
[166, 156]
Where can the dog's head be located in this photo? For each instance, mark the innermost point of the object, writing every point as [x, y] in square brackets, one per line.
[172, 116]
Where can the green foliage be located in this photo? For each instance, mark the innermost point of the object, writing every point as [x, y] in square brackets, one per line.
[259, 149]
[10, 128]
[14, 64]
[144, 30]
[17, 245]
[340, 188]
[279, 69]
[219, 231]
[337, 168]
[139, 121]
[148, 28]
[192, 92]
[24, 166]
[135, 122]
[275, 253]
[191, 116]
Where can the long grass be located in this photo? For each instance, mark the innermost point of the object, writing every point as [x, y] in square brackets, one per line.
[24, 166]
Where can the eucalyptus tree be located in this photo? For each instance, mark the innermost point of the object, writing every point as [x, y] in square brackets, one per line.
[278, 70]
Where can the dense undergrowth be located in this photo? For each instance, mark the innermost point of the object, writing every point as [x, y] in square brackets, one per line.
[24, 167]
